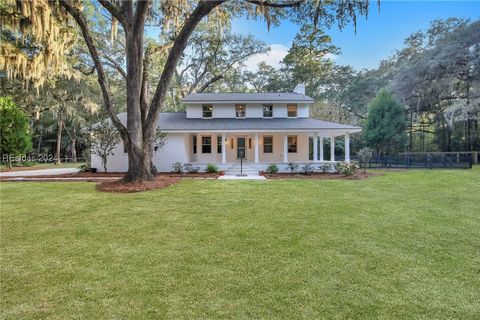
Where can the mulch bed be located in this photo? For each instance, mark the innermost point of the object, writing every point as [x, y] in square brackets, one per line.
[120, 186]
[315, 175]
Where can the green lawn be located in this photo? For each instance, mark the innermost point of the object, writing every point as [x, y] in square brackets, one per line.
[404, 245]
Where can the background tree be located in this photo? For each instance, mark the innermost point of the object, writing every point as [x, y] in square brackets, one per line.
[384, 129]
[104, 137]
[14, 130]
[364, 157]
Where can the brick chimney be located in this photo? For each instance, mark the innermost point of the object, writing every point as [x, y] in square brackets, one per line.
[300, 88]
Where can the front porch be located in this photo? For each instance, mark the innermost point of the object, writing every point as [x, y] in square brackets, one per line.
[260, 149]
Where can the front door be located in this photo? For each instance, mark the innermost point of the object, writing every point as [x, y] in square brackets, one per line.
[241, 148]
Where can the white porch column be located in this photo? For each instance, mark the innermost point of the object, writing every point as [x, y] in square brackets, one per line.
[332, 148]
[256, 147]
[315, 147]
[347, 147]
[224, 151]
[285, 148]
[321, 148]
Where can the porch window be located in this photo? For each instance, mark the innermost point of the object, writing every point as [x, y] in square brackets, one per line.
[206, 144]
[240, 110]
[267, 111]
[219, 144]
[292, 144]
[292, 110]
[310, 148]
[249, 143]
[267, 144]
[194, 144]
[231, 143]
[207, 111]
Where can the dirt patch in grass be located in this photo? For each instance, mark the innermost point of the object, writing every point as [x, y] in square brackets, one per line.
[328, 176]
[120, 186]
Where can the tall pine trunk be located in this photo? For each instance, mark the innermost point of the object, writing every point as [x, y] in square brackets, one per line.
[73, 145]
[59, 138]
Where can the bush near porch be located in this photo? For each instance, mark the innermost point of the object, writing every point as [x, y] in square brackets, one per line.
[402, 245]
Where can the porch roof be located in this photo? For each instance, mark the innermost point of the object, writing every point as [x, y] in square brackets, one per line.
[178, 122]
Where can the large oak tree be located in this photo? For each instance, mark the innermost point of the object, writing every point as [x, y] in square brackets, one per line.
[180, 18]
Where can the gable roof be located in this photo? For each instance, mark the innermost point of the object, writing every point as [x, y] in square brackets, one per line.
[233, 97]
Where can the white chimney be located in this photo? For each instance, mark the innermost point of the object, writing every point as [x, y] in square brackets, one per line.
[300, 88]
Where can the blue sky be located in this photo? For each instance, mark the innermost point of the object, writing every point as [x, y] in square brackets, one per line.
[377, 37]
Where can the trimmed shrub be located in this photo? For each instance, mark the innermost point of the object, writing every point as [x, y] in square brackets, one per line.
[347, 169]
[84, 167]
[211, 168]
[308, 168]
[188, 167]
[325, 168]
[177, 167]
[292, 167]
[272, 168]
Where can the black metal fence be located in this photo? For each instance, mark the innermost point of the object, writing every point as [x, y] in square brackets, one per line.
[426, 160]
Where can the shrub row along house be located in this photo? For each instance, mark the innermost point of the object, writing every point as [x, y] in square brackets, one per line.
[257, 129]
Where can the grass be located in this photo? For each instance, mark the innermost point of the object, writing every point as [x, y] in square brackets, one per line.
[404, 245]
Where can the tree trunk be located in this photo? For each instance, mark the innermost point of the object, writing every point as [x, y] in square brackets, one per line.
[59, 138]
[73, 145]
[104, 163]
[139, 166]
[138, 146]
[39, 145]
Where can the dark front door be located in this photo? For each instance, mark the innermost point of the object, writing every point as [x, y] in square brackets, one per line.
[240, 148]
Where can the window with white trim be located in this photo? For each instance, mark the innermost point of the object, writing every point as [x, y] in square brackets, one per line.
[267, 144]
[207, 144]
[292, 110]
[240, 110]
[219, 144]
[207, 111]
[267, 110]
[292, 144]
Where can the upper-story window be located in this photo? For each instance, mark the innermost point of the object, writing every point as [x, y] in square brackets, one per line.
[267, 111]
[292, 110]
[207, 111]
[240, 110]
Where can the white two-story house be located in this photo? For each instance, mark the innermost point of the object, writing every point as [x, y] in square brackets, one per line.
[257, 129]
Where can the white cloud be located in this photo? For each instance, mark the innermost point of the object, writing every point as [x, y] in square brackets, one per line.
[273, 57]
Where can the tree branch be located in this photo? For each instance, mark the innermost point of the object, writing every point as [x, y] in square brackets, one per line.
[141, 13]
[210, 82]
[203, 8]
[102, 80]
[275, 4]
[116, 66]
[87, 73]
[114, 11]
